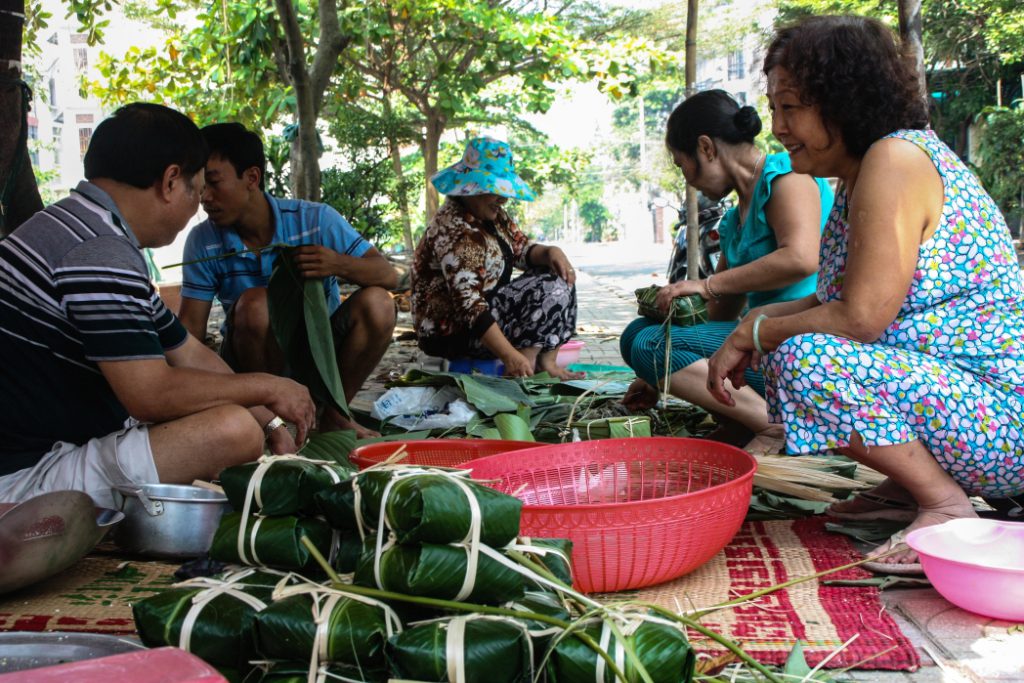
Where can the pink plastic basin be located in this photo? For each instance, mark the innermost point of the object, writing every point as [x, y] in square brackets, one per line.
[976, 564]
[569, 353]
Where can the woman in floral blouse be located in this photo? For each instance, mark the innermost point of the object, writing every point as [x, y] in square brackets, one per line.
[464, 300]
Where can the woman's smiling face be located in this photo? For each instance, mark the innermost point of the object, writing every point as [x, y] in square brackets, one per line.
[484, 207]
[813, 149]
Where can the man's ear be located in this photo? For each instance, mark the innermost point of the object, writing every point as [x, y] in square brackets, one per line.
[172, 175]
[252, 176]
[706, 146]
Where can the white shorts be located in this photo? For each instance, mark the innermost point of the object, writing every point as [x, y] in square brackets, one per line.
[123, 458]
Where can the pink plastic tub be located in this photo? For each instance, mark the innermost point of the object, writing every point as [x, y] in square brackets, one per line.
[976, 564]
[569, 353]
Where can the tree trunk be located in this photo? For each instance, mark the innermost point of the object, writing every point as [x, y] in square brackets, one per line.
[431, 141]
[910, 34]
[309, 85]
[22, 199]
[403, 199]
[394, 149]
[692, 210]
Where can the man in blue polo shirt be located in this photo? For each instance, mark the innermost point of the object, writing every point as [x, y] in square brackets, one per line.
[244, 218]
[102, 386]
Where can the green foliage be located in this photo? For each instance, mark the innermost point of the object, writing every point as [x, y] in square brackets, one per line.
[1001, 152]
[361, 195]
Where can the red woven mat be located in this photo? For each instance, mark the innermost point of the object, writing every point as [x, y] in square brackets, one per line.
[94, 596]
[823, 618]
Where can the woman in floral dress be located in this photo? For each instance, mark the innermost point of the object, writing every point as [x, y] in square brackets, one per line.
[464, 300]
[910, 356]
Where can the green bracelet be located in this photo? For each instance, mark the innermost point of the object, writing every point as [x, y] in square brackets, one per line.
[757, 327]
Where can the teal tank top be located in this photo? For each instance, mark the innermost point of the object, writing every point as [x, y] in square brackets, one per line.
[755, 238]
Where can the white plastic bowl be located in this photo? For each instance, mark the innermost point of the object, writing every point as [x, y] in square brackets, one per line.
[976, 564]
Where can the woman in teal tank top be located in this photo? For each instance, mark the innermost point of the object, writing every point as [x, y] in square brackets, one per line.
[769, 254]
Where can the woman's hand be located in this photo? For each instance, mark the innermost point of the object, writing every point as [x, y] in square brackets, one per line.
[559, 264]
[735, 355]
[640, 396]
[675, 290]
[517, 365]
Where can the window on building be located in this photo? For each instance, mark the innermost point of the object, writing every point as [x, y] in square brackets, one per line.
[737, 69]
[33, 150]
[84, 136]
[57, 133]
[81, 58]
[53, 92]
[741, 97]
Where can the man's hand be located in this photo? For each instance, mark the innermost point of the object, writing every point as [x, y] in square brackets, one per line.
[291, 401]
[281, 442]
[314, 261]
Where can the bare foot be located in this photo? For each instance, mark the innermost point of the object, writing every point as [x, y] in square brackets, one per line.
[888, 500]
[927, 516]
[332, 421]
[771, 441]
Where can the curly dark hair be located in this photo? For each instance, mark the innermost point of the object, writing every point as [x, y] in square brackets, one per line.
[850, 68]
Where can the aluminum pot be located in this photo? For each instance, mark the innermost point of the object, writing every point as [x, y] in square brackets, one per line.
[168, 520]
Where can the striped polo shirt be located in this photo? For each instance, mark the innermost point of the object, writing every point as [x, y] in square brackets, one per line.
[74, 290]
[221, 270]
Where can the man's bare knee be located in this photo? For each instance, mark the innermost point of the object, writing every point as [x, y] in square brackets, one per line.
[250, 314]
[199, 446]
[375, 309]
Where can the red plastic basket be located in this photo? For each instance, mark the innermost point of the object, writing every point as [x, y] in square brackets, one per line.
[434, 452]
[639, 511]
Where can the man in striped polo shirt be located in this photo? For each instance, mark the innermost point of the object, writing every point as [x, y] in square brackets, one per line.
[103, 386]
[243, 219]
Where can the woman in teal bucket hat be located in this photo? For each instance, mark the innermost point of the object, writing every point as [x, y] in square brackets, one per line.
[464, 300]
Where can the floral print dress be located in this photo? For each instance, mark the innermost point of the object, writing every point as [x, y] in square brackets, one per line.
[462, 284]
[949, 370]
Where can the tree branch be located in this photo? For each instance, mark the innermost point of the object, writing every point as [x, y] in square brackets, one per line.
[332, 43]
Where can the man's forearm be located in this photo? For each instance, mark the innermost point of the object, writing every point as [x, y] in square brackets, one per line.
[367, 271]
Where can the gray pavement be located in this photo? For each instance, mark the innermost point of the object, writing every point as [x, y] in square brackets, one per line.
[954, 646]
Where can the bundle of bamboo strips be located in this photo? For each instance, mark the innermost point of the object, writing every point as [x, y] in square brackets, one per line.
[810, 477]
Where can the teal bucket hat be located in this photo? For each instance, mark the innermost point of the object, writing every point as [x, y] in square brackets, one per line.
[486, 167]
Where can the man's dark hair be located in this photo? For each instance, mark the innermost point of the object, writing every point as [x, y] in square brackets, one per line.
[713, 113]
[850, 68]
[238, 145]
[139, 141]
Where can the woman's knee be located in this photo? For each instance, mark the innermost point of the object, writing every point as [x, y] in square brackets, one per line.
[803, 354]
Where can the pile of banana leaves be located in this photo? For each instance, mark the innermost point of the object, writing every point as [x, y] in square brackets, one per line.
[442, 589]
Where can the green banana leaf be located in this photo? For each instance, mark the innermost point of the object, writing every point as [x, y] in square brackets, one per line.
[331, 446]
[287, 487]
[356, 630]
[277, 541]
[661, 647]
[558, 562]
[513, 427]
[496, 650]
[438, 571]
[221, 634]
[427, 507]
[298, 672]
[489, 395]
[307, 342]
[542, 633]
[685, 310]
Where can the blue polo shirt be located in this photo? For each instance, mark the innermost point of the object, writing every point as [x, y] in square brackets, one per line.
[296, 222]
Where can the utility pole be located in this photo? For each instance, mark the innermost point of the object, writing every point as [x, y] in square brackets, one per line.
[692, 230]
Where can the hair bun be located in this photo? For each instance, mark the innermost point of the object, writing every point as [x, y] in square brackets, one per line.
[747, 121]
